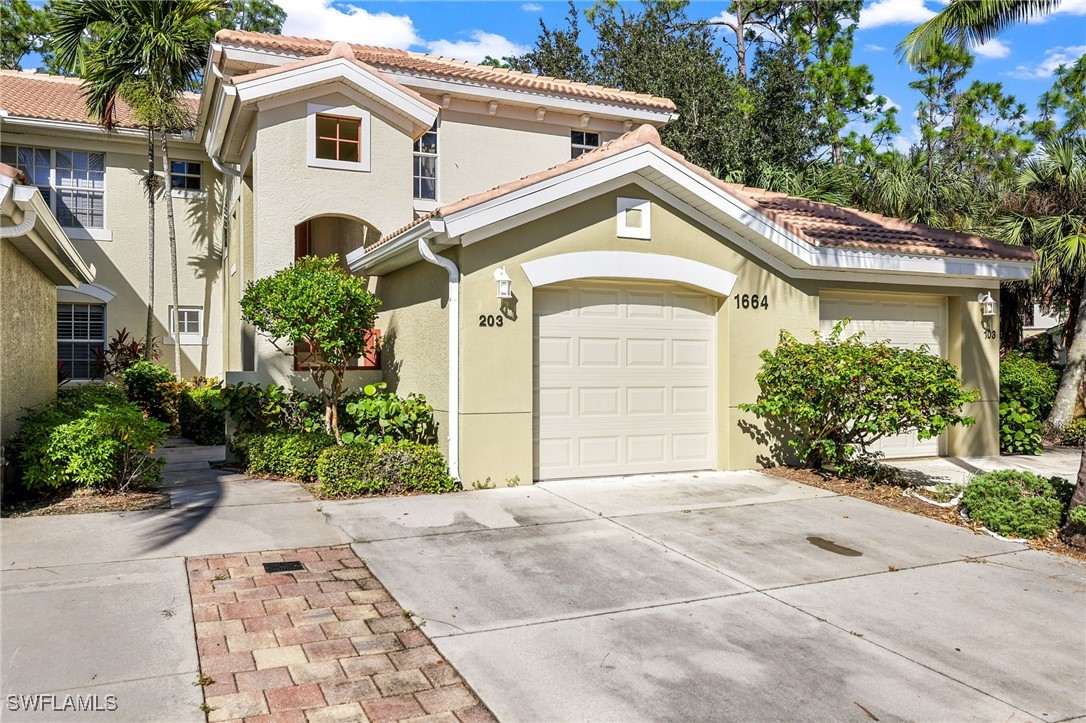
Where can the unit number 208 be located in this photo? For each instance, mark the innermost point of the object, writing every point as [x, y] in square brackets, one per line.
[751, 301]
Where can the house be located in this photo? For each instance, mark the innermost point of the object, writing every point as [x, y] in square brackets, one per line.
[36, 257]
[573, 297]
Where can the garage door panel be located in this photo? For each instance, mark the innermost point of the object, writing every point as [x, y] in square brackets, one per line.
[905, 322]
[630, 390]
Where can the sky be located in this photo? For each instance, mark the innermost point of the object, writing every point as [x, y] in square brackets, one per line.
[1022, 58]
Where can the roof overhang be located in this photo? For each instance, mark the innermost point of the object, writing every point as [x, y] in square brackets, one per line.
[706, 203]
[29, 225]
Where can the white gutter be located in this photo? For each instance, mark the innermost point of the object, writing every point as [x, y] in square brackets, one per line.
[29, 219]
[454, 352]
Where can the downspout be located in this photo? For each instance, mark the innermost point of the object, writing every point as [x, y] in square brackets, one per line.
[454, 353]
[29, 219]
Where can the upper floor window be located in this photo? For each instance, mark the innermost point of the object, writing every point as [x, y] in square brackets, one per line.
[186, 175]
[72, 182]
[339, 139]
[190, 324]
[425, 169]
[582, 142]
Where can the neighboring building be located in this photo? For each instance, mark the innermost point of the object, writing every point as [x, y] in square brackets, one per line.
[35, 258]
[642, 288]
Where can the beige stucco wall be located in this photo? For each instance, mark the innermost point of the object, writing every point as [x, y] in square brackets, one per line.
[28, 333]
[496, 362]
[121, 263]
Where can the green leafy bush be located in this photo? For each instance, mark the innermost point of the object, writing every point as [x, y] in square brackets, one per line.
[287, 454]
[1017, 504]
[1019, 429]
[258, 409]
[833, 398]
[380, 416]
[89, 437]
[1027, 388]
[153, 388]
[1077, 515]
[200, 418]
[1074, 434]
[388, 469]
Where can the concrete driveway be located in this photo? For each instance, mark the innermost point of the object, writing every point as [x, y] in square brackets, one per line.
[727, 596]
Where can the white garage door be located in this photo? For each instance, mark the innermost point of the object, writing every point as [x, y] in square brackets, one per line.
[907, 322]
[623, 380]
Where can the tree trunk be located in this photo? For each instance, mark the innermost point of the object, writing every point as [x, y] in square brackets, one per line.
[741, 43]
[1063, 409]
[173, 252]
[1071, 533]
[151, 188]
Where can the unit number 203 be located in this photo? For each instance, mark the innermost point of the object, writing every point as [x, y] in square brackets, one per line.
[751, 301]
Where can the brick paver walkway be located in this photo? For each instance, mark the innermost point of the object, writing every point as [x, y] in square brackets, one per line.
[324, 644]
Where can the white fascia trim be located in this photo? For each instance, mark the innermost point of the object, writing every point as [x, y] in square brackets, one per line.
[94, 291]
[48, 235]
[338, 69]
[629, 265]
[534, 99]
[134, 134]
[220, 118]
[801, 256]
[361, 260]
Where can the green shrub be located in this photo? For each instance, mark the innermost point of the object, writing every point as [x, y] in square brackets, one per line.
[200, 419]
[153, 388]
[1016, 503]
[287, 454]
[75, 442]
[1031, 383]
[258, 409]
[1074, 434]
[1077, 515]
[833, 398]
[388, 469]
[1019, 429]
[87, 396]
[378, 416]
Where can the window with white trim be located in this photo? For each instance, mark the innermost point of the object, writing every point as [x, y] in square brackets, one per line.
[186, 176]
[582, 142]
[81, 337]
[72, 182]
[425, 165]
[190, 323]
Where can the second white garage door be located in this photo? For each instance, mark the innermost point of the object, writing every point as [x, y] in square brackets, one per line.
[623, 380]
[907, 322]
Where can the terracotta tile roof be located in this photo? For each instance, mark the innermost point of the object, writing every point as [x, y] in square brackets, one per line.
[392, 60]
[54, 97]
[821, 224]
[13, 173]
[339, 50]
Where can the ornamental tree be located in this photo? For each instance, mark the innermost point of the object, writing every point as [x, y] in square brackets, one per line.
[835, 397]
[319, 314]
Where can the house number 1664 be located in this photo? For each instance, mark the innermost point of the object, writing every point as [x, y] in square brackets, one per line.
[751, 301]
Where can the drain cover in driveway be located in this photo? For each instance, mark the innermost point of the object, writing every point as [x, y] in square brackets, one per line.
[283, 566]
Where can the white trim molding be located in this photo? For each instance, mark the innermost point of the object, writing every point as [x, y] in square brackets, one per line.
[347, 111]
[629, 265]
[94, 291]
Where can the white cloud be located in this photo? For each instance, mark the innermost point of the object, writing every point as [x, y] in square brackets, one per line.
[1070, 7]
[874, 48]
[992, 49]
[894, 12]
[480, 45]
[726, 17]
[531, 7]
[320, 19]
[1054, 58]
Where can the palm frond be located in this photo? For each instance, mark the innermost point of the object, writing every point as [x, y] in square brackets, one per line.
[969, 22]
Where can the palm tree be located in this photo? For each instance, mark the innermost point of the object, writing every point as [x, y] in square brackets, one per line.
[972, 22]
[151, 51]
[1047, 210]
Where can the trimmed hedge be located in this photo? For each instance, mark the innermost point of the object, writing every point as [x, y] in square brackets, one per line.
[200, 418]
[90, 437]
[392, 468]
[1016, 503]
[287, 454]
[1027, 388]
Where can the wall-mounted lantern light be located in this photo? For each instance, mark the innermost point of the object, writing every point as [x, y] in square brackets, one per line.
[987, 303]
[505, 284]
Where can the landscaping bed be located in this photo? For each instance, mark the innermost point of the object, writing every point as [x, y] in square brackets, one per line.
[892, 495]
[81, 501]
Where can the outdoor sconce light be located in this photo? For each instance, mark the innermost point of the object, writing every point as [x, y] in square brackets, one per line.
[987, 303]
[505, 284]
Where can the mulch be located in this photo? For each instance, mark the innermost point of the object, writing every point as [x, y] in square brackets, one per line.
[84, 501]
[889, 495]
